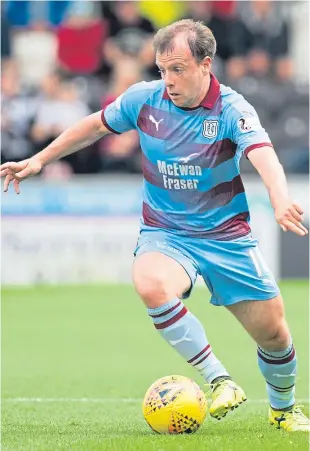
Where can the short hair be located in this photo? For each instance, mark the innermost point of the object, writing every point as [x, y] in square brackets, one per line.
[200, 38]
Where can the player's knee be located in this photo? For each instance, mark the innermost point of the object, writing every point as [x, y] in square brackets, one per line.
[153, 290]
[277, 338]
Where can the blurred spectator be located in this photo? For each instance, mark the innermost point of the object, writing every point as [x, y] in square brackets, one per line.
[59, 108]
[36, 14]
[104, 47]
[80, 38]
[228, 31]
[125, 15]
[6, 30]
[35, 52]
[284, 69]
[18, 108]
[129, 34]
[121, 152]
[266, 35]
[162, 13]
[33, 41]
[224, 8]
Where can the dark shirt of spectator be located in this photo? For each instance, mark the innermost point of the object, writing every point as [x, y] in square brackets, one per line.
[5, 34]
[130, 32]
[125, 14]
[227, 29]
[266, 29]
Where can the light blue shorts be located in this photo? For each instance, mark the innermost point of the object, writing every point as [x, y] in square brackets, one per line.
[234, 271]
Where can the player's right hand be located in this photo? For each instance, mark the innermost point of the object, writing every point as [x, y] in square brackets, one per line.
[289, 216]
[16, 172]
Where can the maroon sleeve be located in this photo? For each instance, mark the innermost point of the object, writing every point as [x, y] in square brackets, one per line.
[106, 124]
[256, 146]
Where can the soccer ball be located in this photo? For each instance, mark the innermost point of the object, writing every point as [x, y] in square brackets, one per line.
[174, 405]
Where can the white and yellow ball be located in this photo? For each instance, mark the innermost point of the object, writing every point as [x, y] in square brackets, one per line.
[174, 405]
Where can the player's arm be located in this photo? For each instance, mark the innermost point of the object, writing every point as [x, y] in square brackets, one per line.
[288, 213]
[80, 135]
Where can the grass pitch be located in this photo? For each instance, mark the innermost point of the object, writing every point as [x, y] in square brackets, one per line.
[77, 361]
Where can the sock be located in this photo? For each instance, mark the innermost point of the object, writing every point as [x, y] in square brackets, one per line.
[184, 332]
[279, 370]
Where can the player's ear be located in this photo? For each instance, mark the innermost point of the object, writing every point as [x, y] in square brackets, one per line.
[206, 65]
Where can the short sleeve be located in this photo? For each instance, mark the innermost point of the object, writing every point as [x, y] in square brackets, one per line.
[121, 115]
[246, 129]
[116, 116]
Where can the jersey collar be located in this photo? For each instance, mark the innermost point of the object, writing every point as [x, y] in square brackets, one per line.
[211, 96]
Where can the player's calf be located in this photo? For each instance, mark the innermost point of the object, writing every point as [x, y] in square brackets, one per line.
[159, 280]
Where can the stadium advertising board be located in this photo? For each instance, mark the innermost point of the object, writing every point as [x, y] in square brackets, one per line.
[85, 231]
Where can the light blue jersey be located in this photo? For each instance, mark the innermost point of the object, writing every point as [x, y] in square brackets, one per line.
[192, 182]
[194, 208]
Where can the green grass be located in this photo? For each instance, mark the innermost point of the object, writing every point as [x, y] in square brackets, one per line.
[63, 344]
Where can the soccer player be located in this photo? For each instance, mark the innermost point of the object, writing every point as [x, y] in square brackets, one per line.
[195, 220]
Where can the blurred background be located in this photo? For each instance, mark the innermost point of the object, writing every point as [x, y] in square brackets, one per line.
[62, 60]
[78, 350]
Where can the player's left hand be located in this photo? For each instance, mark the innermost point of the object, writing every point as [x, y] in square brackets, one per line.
[289, 216]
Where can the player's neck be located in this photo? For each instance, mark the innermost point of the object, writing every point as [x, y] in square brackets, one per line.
[204, 91]
[205, 88]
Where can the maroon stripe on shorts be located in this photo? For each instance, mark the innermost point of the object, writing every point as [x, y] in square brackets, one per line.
[172, 320]
[166, 311]
[199, 354]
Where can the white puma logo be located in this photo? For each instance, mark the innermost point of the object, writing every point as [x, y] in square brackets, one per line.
[186, 159]
[151, 118]
[184, 338]
[284, 375]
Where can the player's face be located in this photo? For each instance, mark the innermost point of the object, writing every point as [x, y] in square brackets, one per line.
[186, 80]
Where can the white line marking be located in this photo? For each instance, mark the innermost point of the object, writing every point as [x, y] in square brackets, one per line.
[110, 400]
[82, 400]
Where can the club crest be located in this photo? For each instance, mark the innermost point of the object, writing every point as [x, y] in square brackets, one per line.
[210, 128]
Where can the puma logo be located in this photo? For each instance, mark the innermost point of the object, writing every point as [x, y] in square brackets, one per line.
[284, 375]
[184, 338]
[152, 119]
[186, 159]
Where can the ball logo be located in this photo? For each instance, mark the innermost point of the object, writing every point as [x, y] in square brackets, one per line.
[210, 128]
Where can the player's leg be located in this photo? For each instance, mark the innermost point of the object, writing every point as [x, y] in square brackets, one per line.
[158, 278]
[238, 273]
[265, 322]
[161, 280]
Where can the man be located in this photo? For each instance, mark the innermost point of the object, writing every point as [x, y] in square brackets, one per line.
[193, 132]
